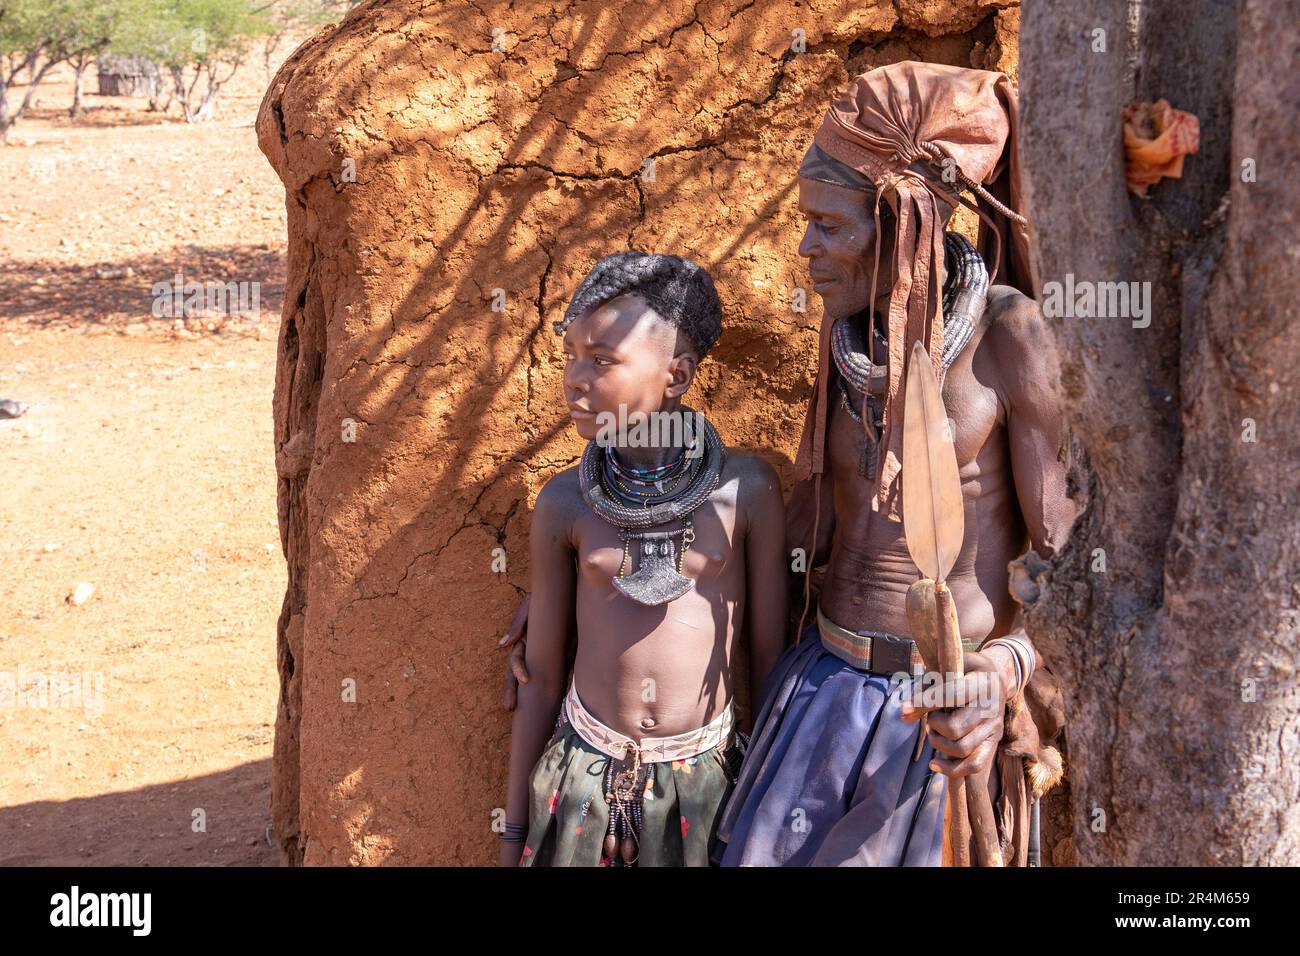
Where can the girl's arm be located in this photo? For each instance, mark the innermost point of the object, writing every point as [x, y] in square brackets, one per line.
[554, 578]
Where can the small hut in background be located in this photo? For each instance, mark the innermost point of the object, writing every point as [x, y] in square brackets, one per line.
[128, 76]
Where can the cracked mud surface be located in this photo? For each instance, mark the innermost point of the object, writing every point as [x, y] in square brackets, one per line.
[417, 423]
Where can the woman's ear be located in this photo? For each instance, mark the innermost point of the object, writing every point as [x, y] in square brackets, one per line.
[682, 371]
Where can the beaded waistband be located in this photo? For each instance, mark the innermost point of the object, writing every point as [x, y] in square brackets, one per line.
[692, 743]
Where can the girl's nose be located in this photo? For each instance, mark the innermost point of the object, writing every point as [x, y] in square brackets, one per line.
[574, 379]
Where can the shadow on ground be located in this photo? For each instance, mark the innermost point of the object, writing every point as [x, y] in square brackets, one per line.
[110, 293]
[152, 826]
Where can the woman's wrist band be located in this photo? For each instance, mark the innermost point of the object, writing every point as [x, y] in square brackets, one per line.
[1015, 664]
[1022, 655]
[1027, 662]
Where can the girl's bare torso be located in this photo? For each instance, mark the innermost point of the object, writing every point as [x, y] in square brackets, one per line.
[660, 671]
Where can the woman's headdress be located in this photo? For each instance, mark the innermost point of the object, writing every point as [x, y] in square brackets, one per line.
[918, 134]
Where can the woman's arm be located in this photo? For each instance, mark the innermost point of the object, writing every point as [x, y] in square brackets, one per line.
[799, 515]
[554, 579]
[766, 566]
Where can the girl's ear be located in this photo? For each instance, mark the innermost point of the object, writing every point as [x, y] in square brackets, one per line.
[682, 372]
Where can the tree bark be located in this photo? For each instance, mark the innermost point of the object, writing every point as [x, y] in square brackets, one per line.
[1171, 617]
[6, 121]
[182, 92]
[9, 119]
[37, 76]
[79, 70]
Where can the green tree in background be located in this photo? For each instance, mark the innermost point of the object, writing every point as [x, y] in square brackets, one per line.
[298, 18]
[34, 36]
[38, 35]
[198, 44]
[91, 28]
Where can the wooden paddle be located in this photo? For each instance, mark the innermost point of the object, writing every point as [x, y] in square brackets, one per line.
[934, 527]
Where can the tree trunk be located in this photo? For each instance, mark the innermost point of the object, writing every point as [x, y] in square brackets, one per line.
[6, 120]
[269, 46]
[79, 69]
[9, 119]
[204, 111]
[37, 76]
[1171, 617]
[157, 89]
[182, 92]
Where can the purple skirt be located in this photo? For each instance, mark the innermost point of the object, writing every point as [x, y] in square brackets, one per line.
[829, 778]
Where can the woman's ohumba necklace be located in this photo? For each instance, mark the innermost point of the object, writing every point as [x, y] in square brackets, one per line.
[862, 382]
[635, 500]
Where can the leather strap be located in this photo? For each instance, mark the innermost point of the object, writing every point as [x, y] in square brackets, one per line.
[878, 652]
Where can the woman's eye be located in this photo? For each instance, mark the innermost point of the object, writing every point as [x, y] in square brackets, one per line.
[601, 360]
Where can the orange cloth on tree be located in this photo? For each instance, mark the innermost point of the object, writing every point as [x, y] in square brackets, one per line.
[1156, 138]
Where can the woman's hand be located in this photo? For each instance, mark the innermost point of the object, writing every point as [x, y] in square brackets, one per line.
[967, 734]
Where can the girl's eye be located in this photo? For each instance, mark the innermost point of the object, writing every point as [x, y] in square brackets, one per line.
[601, 360]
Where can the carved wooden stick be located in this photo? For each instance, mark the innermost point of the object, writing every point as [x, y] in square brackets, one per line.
[952, 665]
[923, 622]
[934, 528]
[982, 823]
[984, 826]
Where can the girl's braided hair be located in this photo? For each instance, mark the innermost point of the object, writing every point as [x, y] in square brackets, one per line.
[678, 289]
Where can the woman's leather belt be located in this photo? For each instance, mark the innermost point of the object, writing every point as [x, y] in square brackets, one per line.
[878, 652]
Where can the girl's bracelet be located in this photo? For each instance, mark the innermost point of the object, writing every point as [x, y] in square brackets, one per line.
[514, 833]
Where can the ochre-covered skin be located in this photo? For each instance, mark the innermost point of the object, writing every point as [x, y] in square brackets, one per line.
[1000, 395]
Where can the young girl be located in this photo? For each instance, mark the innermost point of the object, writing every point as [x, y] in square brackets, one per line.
[664, 547]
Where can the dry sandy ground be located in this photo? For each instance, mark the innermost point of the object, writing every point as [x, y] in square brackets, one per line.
[136, 728]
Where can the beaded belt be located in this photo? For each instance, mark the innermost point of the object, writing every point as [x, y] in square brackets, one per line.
[692, 743]
[876, 651]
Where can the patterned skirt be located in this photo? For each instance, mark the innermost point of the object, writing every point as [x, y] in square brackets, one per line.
[829, 778]
[569, 817]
